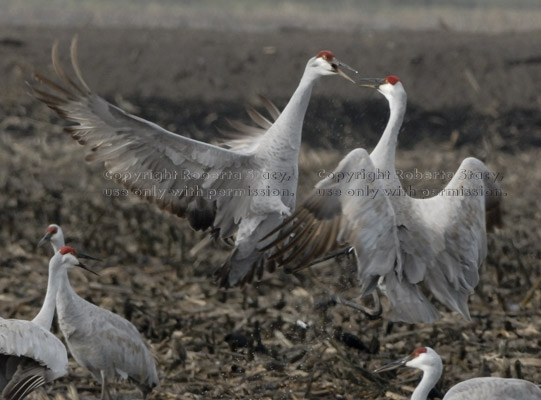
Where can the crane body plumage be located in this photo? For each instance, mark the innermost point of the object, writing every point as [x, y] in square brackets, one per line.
[494, 388]
[486, 388]
[400, 242]
[248, 205]
[103, 342]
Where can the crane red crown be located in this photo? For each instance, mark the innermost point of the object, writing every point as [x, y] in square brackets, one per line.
[66, 249]
[392, 79]
[51, 229]
[326, 55]
[419, 351]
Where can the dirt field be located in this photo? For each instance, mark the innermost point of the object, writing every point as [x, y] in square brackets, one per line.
[469, 94]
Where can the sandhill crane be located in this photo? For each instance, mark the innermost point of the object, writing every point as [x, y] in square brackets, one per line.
[54, 235]
[30, 355]
[217, 189]
[99, 340]
[401, 243]
[489, 388]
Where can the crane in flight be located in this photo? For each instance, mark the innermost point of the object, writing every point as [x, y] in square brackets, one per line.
[488, 388]
[99, 340]
[227, 192]
[30, 355]
[401, 243]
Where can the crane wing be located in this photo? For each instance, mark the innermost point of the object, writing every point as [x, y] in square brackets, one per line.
[348, 207]
[443, 239]
[313, 230]
[439, 241]
[245, 138]
[28, 376]
[203, 179]
[25, 338]
[369, 224]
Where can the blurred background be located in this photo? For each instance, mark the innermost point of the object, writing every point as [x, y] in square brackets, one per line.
[257, 15]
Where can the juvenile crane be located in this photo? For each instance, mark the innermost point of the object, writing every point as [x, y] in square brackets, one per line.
[99, 340]
[400, 242]
[220, 190]
[30, 355]
[489, 388]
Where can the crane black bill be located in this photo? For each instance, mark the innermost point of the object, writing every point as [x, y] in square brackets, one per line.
[45, 239]
[336, 64]
[86, 256]
[371, 82]
[393, 365]
[81, 265]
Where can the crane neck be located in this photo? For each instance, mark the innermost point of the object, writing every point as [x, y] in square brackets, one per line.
[57, 240]
[65, 292]
[56, 245]
[45, 316]
[383, 155]
[431, 376]
[286, 132]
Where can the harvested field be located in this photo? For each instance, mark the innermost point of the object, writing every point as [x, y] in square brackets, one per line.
[476, 95]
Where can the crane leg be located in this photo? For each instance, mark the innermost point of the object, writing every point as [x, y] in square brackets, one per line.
[105, 394]
[371, 313]
[345, 251]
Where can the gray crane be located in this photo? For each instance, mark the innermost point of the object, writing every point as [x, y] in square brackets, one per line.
[220, 190]
[102, 342]
[130, 358]
[401, 243]
[488, 388]
[30, 355]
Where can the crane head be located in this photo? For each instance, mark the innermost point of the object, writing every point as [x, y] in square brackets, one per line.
[388, 86]
[328, 64]
[54, 235]
[70, 258]
[421, 358]
[376, 83]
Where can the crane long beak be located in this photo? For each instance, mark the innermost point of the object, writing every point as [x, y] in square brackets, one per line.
[371, 82]
[393, 365]
[86, 256]
[81, 265]
[336, 64]
[45, 239]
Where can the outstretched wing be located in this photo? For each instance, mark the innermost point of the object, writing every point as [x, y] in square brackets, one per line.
[180, 175]
[443, 239]
[348, 207]
[245, 138]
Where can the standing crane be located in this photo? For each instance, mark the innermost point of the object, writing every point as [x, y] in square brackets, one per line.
[129, 357]
[401, 243]
[220, 190]
[30, 355]
[489, 388]
[99, 340]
